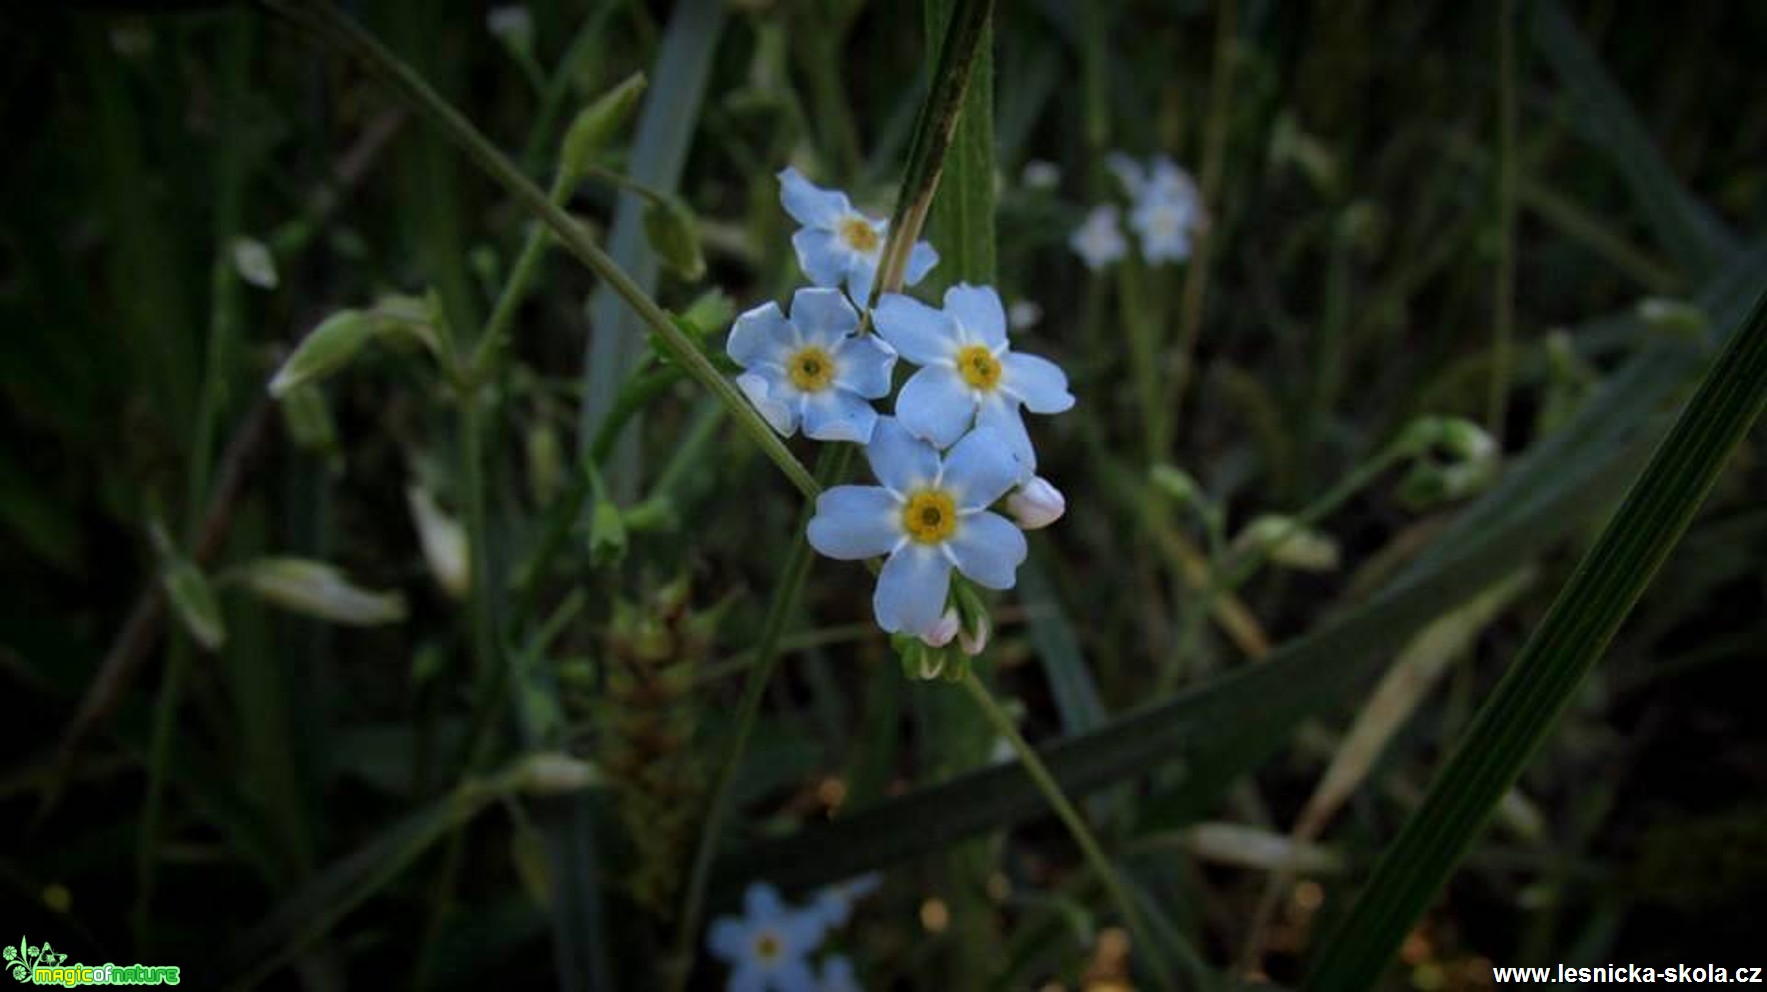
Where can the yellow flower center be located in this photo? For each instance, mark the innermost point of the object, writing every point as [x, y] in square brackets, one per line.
[978, 366]
[859, 235]
[811, 369]
[767, 946]
[930, 516]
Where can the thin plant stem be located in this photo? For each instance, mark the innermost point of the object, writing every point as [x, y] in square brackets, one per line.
[338, 32]
[211, 404]
[1196, 278]
[679, 964]
[1064, 808]
[1503, 302]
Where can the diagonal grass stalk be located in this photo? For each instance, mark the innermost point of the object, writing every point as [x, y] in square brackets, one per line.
[1545, 676]
[338, 32]
[1099, 862]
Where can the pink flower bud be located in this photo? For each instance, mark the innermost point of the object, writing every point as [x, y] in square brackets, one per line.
[1036, 504]
[942, 631]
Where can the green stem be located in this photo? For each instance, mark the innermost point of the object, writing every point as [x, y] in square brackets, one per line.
[1503, 302]
[338, 32]
[1144, 347]
[1196, 278]
[211, 404]
[1064, 808]
[679, 965]
[479, 368]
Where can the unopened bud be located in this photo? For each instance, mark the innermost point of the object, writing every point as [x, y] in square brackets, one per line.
[253, 262]
[555, 773]
[942, 630]
[323, 351]
[443, 541]
[1291, 545]
[1036, 504]
[596, 124]
[973, 639]
[673, 233]
[317, 589]
[1176, 483]
[607, 532]
[711, 312]
[193, 599]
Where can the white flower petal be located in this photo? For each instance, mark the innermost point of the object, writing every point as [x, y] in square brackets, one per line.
[821, 256]
[935, 404]
[837, 415]
[1039, 382]
[728, 938]
[979, 312]
[1001, 414]
[779, 412]
[899, 459]
[911, 589]
[855, 522]
[921, 259]
[921, 334]
[988, 549]
[809, 204]
[980, 469]
[863, 366]
[760, 335]
[823, 316]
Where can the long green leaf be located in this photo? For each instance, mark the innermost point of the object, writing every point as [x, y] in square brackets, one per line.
[1225, 728]
[659, 153]
[1686, 227]
[1540, 684]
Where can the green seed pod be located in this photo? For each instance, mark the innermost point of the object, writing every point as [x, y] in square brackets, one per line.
[607, 533]
[596, 124]
[710, 313]
[545, 463]
[1176, 483]
[673, 232]
[327, 348]
[193, 600]
[308, 419]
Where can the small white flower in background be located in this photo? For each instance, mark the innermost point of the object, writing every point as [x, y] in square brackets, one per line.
[1099, 241]
[812, 368]
[1289, 544]
[1039, 174]
[1036, 504]
[443, 540]
[1024, 315]
[768, 947]
[1166, 209]
[839, 245]
[513, 25]
[254, 263]
[836, 902]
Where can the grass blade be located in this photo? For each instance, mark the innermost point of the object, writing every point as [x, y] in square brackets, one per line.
[1540, 684]
[1682, 224]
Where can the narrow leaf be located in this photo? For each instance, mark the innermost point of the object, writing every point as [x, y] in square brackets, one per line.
[1546, 675]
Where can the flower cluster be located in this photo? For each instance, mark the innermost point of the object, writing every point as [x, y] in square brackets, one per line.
[956, 443]
[1165, 211]
[768, 947]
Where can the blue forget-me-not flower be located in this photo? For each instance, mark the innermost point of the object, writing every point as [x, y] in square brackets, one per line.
[929, 516]
[1099, 241]
[1167, 208]
[768, 947]
[837, 243]
[811, 368]
[969, 373]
